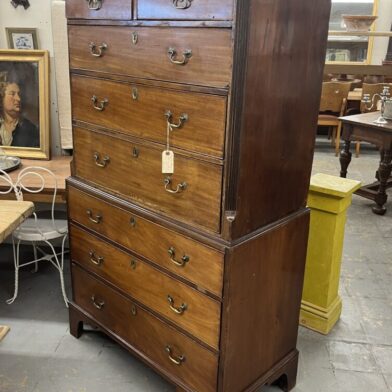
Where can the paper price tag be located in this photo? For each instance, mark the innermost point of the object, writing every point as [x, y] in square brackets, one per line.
[168, 162]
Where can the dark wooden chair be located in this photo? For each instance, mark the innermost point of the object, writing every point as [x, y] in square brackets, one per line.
[332, 106]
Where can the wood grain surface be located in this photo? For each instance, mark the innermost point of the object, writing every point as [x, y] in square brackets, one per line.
[146, 333]
[210, 64]
[144, 116]
[150, 286]
[152, 241]
[140, 178]
[198, 10]
[260, 315]
[110, 9]
[280, 109]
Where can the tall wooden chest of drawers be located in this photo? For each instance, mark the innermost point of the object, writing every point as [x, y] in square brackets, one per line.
[198, 271]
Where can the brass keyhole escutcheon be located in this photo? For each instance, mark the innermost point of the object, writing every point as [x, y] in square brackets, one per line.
[135, 37]
[135, 152]
[135, 93]
[133, 264]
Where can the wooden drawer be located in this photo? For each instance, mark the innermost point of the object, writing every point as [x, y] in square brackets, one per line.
[186, 307]
[203, 266]
[146, 333]
[209, 64]
[99, 9]
[202, 132]
[135, 172]
[185, 9]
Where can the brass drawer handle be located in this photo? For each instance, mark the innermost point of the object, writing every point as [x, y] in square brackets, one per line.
[101, 163]
[183, 118]
[179, 310]
[95, 220]
[97, 50]
[182, 4]
[102, 104]
[94, 5]
[180, 187]
[94, 259]
[179, 360]
[172, 53]
[98, 305]
[172, 254]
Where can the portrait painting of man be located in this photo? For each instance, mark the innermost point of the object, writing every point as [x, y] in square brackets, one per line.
[25, 103]
[19, 105]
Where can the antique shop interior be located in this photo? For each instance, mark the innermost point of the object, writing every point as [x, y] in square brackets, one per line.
[195, 195]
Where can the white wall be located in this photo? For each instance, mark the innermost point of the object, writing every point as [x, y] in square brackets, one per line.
[383, 23]
[38, 16]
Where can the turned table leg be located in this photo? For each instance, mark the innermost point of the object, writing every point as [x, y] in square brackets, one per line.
[384, 172]
[345, 159]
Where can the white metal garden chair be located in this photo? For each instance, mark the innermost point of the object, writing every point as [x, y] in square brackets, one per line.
[37, 231]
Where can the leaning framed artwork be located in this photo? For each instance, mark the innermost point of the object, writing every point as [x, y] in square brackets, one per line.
[24, 103]
[22, 38]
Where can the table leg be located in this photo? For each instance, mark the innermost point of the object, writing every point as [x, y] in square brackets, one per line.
[345, 158]
[384, 172]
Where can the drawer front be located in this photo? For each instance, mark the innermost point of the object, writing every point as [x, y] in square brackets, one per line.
[111, 49]
[146, 333]
[189, 309]
[141, 111]
[199, 264]
[135, 172]
[185, 9]
[99, 9]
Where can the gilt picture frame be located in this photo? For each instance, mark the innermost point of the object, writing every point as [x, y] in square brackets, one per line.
[22, 38]
[24, 103]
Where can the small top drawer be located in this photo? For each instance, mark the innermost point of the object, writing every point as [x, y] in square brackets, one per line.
[185, 9]
[99, 9]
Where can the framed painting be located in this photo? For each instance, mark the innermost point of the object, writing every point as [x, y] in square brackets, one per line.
[24, 103]
[21, 38]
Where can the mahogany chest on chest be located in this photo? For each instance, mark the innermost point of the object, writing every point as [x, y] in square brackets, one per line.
[196, 269]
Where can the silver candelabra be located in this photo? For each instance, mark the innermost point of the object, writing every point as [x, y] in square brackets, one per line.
[383, 97]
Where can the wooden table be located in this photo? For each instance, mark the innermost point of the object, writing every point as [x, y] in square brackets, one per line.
[355, 95]
[12, 214]
[361, 127]
[60, 166]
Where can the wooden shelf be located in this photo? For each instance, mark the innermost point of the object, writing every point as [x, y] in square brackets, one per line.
[358, 69]
[360, 34]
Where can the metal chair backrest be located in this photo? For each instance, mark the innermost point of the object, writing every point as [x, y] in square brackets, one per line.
[36, 180]
[333, 95]
[371, 89]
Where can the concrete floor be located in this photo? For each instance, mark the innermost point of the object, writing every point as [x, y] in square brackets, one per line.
[39, 354]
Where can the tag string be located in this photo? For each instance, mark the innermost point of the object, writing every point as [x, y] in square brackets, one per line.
[168, 137]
